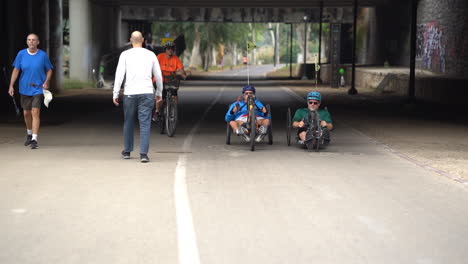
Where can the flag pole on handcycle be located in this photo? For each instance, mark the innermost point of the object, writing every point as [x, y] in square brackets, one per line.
[250, 47]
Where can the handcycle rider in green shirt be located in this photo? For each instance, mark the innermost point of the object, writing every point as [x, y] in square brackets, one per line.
[300, 119]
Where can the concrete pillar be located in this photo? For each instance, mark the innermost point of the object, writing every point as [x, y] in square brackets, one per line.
[30, 15]
[353, 90]
[412, 77]
[80, 39]
[117, 27]
[56, 43]
[45, 26]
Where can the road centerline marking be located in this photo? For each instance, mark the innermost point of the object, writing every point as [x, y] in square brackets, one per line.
[186, 236]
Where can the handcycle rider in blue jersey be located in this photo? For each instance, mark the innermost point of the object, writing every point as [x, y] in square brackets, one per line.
[238, 112]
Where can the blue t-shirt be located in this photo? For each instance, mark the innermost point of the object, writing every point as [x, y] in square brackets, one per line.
[33, 71]
[243, 110]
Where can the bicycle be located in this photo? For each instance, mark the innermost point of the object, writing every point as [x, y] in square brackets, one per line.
[250, 125]
[168, 117]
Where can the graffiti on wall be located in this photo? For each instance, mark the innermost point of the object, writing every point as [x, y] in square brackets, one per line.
[431, 46]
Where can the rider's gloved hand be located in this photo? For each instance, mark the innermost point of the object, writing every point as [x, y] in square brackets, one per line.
[301, 123]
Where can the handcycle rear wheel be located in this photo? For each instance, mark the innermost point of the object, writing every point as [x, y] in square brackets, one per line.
[228, 134]
[288, 127]
[270, 127]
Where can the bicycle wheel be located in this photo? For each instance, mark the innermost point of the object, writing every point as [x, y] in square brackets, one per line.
[317, 144]
[270, 127]
[162, 119]
[171, 116]
[288, 127]
[228, 134]
[253, 128]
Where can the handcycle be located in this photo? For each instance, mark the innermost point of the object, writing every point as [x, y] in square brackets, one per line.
[314, 134]
[251, 125]
[167, 120]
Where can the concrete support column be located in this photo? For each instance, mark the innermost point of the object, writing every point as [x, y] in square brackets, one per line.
[290, 49]
[320, 42]
[412, 77]
[353, 89]
[56, 43]
[80, 39]
[45, 25]
[117, 15]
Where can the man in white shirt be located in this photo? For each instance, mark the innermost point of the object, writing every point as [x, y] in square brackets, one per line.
[138, 66]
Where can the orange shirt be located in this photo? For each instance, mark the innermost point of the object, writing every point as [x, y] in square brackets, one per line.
[170, 65]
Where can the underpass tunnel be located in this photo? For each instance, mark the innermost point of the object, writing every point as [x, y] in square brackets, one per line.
[378, 55]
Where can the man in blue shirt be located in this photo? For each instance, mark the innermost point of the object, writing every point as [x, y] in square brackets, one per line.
[237, 115]
[36, 71]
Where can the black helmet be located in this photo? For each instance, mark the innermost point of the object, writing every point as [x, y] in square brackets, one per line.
[169, 45]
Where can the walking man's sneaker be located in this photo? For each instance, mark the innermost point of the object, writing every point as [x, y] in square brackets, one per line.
[125, 155]
[144, 158]
[34, 144]
[28, 140]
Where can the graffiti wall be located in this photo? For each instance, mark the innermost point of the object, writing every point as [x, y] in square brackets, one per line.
[431, 47]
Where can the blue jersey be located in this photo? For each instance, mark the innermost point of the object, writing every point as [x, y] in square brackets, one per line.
[243, 110]
[33, 71]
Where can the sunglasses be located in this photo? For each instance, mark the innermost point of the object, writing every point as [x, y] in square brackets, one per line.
[313, 103]
[247, 93]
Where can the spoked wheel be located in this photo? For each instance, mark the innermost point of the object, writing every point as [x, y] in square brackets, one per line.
[171, 116]
[228, 134]
[288, 127]
[253, 127]
[270, 127]
[162, 119]
[313, 144]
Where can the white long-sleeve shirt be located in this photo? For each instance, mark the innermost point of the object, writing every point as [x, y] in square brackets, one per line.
[138, 66]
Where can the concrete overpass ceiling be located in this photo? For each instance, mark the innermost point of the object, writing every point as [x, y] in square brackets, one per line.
[242, 3]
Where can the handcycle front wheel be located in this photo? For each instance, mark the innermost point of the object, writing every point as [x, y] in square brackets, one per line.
[253, 127]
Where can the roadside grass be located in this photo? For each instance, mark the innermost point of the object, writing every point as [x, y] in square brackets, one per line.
[75, 84]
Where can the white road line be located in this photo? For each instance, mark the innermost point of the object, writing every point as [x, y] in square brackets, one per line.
[187, 239]
[293, 94]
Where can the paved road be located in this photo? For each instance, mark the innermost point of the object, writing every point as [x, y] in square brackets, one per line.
[200, 201]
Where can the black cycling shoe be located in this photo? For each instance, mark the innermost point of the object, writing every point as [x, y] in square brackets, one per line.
[34, 144]
[28, 140]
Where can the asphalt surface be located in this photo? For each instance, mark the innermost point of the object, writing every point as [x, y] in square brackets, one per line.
[75, 200]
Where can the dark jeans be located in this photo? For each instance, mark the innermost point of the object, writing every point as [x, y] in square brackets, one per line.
[141, 104]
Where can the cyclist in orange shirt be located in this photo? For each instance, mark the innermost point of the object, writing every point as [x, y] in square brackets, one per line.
[170, 64]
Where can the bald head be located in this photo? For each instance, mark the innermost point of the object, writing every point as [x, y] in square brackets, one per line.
[32, 40]
[136, 37]
[32, 35]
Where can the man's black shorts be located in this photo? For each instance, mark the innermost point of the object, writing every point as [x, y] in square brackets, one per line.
[29, 102]
[301, 129]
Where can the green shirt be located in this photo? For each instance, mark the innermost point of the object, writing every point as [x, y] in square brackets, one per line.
[301, 113]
